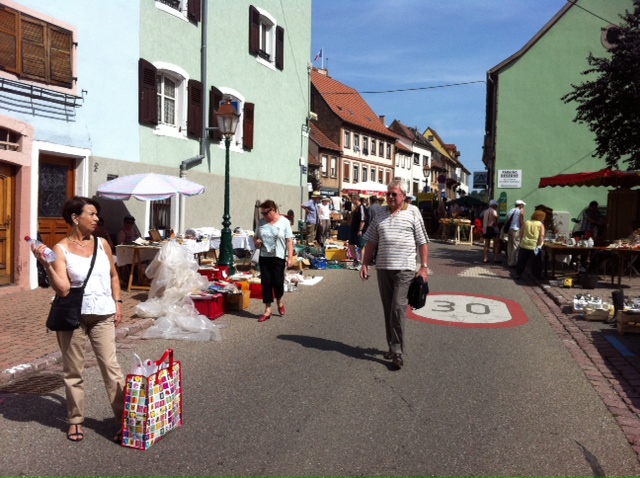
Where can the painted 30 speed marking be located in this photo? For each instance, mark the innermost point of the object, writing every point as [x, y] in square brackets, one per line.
[469, 311]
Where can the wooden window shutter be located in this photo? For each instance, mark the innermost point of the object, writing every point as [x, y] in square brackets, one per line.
[194, 109]
[60, 68]
[215, 97]
[247, 126]
[9, 45]
[194, 10]
[148, 94]
[34, 49]
[254, 30]
[280, 48]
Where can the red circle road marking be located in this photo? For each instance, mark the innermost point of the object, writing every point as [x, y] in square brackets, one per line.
[469, 311]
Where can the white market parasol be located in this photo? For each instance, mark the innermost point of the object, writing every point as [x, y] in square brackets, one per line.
[148, 187]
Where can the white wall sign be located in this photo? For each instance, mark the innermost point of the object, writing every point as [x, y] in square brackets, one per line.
[509, 178]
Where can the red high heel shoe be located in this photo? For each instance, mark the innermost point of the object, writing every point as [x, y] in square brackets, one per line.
[281, 310]
[264, 317]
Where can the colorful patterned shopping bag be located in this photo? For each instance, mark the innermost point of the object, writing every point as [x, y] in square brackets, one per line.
[153, 404]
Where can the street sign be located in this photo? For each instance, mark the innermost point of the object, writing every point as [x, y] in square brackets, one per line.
[510, 178]
[480, 179]
[469, 311]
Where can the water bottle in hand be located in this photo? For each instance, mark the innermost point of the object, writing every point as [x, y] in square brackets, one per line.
[49, 255]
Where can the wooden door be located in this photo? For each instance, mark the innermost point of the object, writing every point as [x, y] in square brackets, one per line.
[7, 179]
[56, 185]
[623, 213]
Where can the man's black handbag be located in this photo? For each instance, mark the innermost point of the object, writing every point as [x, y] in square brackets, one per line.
[418, 291]
[66, 311]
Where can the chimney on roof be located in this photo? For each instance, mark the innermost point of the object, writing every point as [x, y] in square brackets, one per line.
[323, 71]
[383, 118]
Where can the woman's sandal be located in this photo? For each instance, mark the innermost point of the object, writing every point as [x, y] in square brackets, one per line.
[77, 435]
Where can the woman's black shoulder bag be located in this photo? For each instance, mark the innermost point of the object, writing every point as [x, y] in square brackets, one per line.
[65, 311]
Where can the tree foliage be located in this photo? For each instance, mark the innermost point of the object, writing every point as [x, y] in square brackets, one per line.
[609, 104]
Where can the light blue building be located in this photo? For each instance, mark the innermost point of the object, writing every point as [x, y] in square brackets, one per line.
[94, 90]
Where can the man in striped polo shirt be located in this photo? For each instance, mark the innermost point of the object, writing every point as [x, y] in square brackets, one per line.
[398, 235]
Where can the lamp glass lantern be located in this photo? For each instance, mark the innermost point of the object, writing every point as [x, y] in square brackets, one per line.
[426, 171]
[227, 123]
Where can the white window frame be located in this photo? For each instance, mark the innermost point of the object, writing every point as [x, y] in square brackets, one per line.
[237, 100]
[365, 174]
[334, 163]
[347, 139]
[267, 39]
[180, 13]
[356, 173]
[181, 78]
[324, 165]
[373, 146]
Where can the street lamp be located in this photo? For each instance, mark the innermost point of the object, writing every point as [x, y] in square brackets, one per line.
[227, 124]
[426, 172]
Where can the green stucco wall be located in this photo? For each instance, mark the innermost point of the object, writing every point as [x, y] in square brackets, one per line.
[535, 130]
[272, 169]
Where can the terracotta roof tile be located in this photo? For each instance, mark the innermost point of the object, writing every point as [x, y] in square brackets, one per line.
[347, 104]
[321, 139]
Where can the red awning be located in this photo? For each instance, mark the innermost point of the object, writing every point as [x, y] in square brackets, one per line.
[604, 177]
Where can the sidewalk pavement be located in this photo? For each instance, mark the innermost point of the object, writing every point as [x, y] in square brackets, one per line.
[25, 344]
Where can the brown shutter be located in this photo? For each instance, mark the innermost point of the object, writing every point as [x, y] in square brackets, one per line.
[247, 126]
[254, 30]
[194, 109]
[215, 97]
[194, 10]
[280, 48]
[60, 68]
[34, 48]
[148, 94]
[9, 45]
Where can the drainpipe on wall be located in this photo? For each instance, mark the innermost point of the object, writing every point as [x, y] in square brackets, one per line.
[191, 162]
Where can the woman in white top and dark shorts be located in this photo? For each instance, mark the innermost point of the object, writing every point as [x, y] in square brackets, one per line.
[101, 310]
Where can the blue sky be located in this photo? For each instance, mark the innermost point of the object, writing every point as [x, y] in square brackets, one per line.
[379, 45]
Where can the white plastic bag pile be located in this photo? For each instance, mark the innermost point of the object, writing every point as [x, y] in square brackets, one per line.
[174, 274]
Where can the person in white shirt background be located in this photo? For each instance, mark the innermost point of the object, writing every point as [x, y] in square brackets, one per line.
[515, 217]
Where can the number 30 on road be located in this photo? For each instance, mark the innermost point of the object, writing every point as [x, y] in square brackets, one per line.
[469, 311]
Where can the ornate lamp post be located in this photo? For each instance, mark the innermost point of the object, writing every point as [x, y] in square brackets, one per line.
[227, 124]
[426, 172]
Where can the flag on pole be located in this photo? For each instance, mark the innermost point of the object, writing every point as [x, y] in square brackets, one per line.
[318, 55]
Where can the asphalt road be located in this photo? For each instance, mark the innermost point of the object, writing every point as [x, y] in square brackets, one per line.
[310, 395]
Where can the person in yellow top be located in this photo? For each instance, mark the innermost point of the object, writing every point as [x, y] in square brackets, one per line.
[531, 239]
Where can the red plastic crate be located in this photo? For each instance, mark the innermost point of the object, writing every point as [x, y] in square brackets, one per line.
[211, 306]
[256, 290]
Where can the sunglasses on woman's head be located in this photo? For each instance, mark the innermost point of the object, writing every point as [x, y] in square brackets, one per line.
[264, 213]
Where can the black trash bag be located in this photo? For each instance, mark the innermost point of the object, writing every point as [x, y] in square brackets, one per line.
[418, 291]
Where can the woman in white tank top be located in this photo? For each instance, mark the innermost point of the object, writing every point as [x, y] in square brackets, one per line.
[101, 310]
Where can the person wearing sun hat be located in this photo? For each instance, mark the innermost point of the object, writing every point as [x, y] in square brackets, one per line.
[312, 219]
[515, 221]
[324, 216]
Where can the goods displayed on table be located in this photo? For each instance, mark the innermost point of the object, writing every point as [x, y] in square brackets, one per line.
[152, 401]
